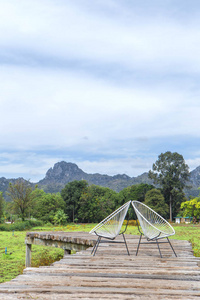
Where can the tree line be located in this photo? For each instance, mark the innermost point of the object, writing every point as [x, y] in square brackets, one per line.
[80, 202]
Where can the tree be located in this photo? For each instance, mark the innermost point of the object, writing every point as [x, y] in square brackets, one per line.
[96, 203]
[46, 205]
[171, 172]
[1, 205]
[21, 196]
[155, 200]
[191, 208]
[134, 192]
[60, 217]
[71, 195]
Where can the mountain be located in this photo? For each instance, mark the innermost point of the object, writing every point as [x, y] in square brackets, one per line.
[195, 177]
[4, 185]
[194, 183]
[62, 172]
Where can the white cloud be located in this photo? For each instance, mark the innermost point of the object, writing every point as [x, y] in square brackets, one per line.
[104, 78]
[59, 108]
[193, 163]
[129, 166]
[71, 30]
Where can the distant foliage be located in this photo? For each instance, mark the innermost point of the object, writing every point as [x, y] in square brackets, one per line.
[2, 202]
[96, 203]
[20, 226]
[71, 195]
[191, 208]
[172, 173]
[155, 200]
[46, 205]
[21, 197]
[79, 202]
[134, 192]
[60, 218]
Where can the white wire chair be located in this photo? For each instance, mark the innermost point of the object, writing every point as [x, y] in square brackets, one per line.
[111, 227]
[154, 227]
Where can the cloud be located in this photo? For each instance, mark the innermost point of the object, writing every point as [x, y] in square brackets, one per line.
[108, 85]
[129, 166]
[59, 108]
[82, 32]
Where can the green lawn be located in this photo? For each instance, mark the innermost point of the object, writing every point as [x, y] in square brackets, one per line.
[13, 263]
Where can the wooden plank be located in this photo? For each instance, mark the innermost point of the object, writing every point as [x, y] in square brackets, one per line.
[58, 240]
[28, 255]
[112, 274]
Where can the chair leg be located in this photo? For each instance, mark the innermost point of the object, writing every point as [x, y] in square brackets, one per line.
[158, 248]
[125, 244]
[171, 247]
[94, 246]
[138, 245]
[94, 250]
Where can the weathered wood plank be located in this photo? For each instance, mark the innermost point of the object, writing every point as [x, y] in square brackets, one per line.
[58, 240]
[112, 274]
[90, 295]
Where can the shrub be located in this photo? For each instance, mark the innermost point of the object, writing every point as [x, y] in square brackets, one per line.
[20, 226]
[60, 217]
[131, 222]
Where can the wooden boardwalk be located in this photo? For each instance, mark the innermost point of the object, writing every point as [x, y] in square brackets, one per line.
[112, 274]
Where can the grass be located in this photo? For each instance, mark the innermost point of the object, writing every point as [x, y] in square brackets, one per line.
[190, 233]
[13, 263]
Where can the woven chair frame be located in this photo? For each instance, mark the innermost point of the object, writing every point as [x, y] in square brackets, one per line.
[154, 227]
[111, 227]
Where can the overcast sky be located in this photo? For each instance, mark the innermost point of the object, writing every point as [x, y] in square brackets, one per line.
[106, 84]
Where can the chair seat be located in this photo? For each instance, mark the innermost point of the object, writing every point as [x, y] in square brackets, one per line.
[154, 227]
[111, 226]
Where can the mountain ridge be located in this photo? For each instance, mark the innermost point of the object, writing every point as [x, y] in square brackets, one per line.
[67, 172]
[64, 172]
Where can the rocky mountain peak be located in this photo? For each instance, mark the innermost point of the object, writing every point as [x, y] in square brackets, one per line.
[63, 172]
[195, 176]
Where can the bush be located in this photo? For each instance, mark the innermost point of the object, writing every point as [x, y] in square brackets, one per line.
[48, 224]
[2, 220]
[131, 222]
[60, 217]
[20, 226]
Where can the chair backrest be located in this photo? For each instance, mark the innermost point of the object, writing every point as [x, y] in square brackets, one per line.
[153, 225]
[111, 226]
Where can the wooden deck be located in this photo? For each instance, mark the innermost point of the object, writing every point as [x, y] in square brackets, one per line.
[112, 274]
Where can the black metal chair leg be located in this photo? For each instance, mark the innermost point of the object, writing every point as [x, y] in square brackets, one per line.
[96, 245]
[125, 243]
[158, 248]
[171, 247]
[138, 245]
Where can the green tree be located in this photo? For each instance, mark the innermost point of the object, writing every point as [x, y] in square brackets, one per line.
[134, 192]
[71, 194]
[96, 203]
[171, 172]
[2, 202]
[60, 217]
[155, 200]
[21, 196]
[191, 208]
[46, 205]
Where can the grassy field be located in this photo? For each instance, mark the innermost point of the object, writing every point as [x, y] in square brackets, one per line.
[13, 263]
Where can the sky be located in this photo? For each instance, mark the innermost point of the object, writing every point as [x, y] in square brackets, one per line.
[107, 84]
